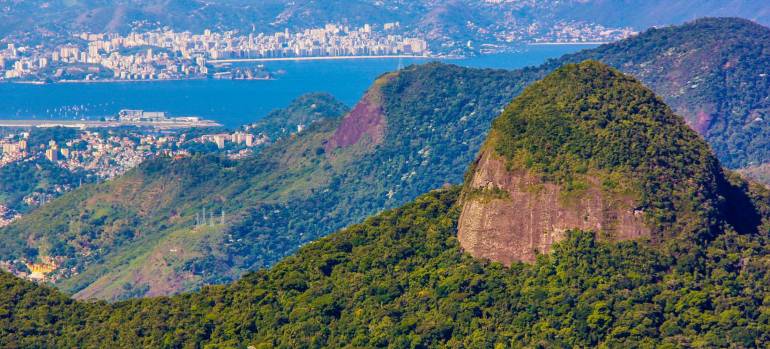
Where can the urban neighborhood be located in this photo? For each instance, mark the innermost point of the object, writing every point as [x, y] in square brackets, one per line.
[170, 55]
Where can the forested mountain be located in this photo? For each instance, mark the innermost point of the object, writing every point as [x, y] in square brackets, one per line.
[400, 279]
[714, 72]
[588, 148]
[415, 130]
[448, 25]
[137, 235]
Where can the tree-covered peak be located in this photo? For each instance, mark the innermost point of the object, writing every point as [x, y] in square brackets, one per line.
[587, 123]
[595, 116]
[711, 71]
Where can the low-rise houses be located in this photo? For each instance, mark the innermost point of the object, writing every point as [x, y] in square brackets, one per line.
[7, 216]
[106, 154]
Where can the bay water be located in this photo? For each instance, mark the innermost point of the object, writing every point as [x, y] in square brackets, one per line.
[231, 102]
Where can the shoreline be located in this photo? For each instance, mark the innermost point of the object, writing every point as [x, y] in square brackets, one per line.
[288, 59]
[319, 58]
[113, 81]
[567, 43]
[42, 123]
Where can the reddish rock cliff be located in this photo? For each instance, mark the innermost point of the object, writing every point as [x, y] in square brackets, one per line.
[365, 121]
[513, 216]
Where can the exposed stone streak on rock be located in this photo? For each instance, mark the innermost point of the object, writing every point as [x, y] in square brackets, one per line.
[530, 221]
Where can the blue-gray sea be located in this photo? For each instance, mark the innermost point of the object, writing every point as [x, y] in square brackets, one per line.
[229, 102]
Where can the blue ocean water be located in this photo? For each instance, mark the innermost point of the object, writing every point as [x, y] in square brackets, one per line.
[230, 102]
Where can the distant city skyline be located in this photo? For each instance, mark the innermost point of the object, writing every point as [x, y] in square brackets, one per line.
[166, 54]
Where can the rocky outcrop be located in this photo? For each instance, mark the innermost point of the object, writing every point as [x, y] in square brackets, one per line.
[366, 120]
[511, 216]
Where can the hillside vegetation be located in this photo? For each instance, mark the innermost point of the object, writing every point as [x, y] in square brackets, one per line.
[415, 130]
[585, 121]
[715, 72]
[400, 278]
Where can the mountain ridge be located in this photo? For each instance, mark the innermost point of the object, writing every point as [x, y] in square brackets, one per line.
[723, 98]
[436, 118]
[449, 25]
[400, 279]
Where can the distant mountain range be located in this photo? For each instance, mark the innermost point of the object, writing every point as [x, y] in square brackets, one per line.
[647, 241]
[448, 25]
[413, 131]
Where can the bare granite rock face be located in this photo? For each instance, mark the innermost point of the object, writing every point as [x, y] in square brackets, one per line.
[512, 217]
[365, 121]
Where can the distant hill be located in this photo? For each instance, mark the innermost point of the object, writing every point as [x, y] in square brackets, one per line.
[715, 72]
[448, 25]
[401, 279]
[415, 130]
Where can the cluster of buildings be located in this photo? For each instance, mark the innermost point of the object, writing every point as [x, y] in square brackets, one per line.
[578, 32]
[331, 40]
[237, 138]
[13, 150]
[107, 154]
[7, 216]
[159, 55]
[101, 153]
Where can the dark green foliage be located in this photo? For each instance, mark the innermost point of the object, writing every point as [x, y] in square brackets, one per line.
[19, 179]
[715, 72]
[585, 119]
[400, 280]
[436, 118]
[304, 110]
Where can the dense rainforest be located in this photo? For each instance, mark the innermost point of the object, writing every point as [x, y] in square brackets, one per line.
[415, 130]
[400, 279]
[715, 72]
[586, 123]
